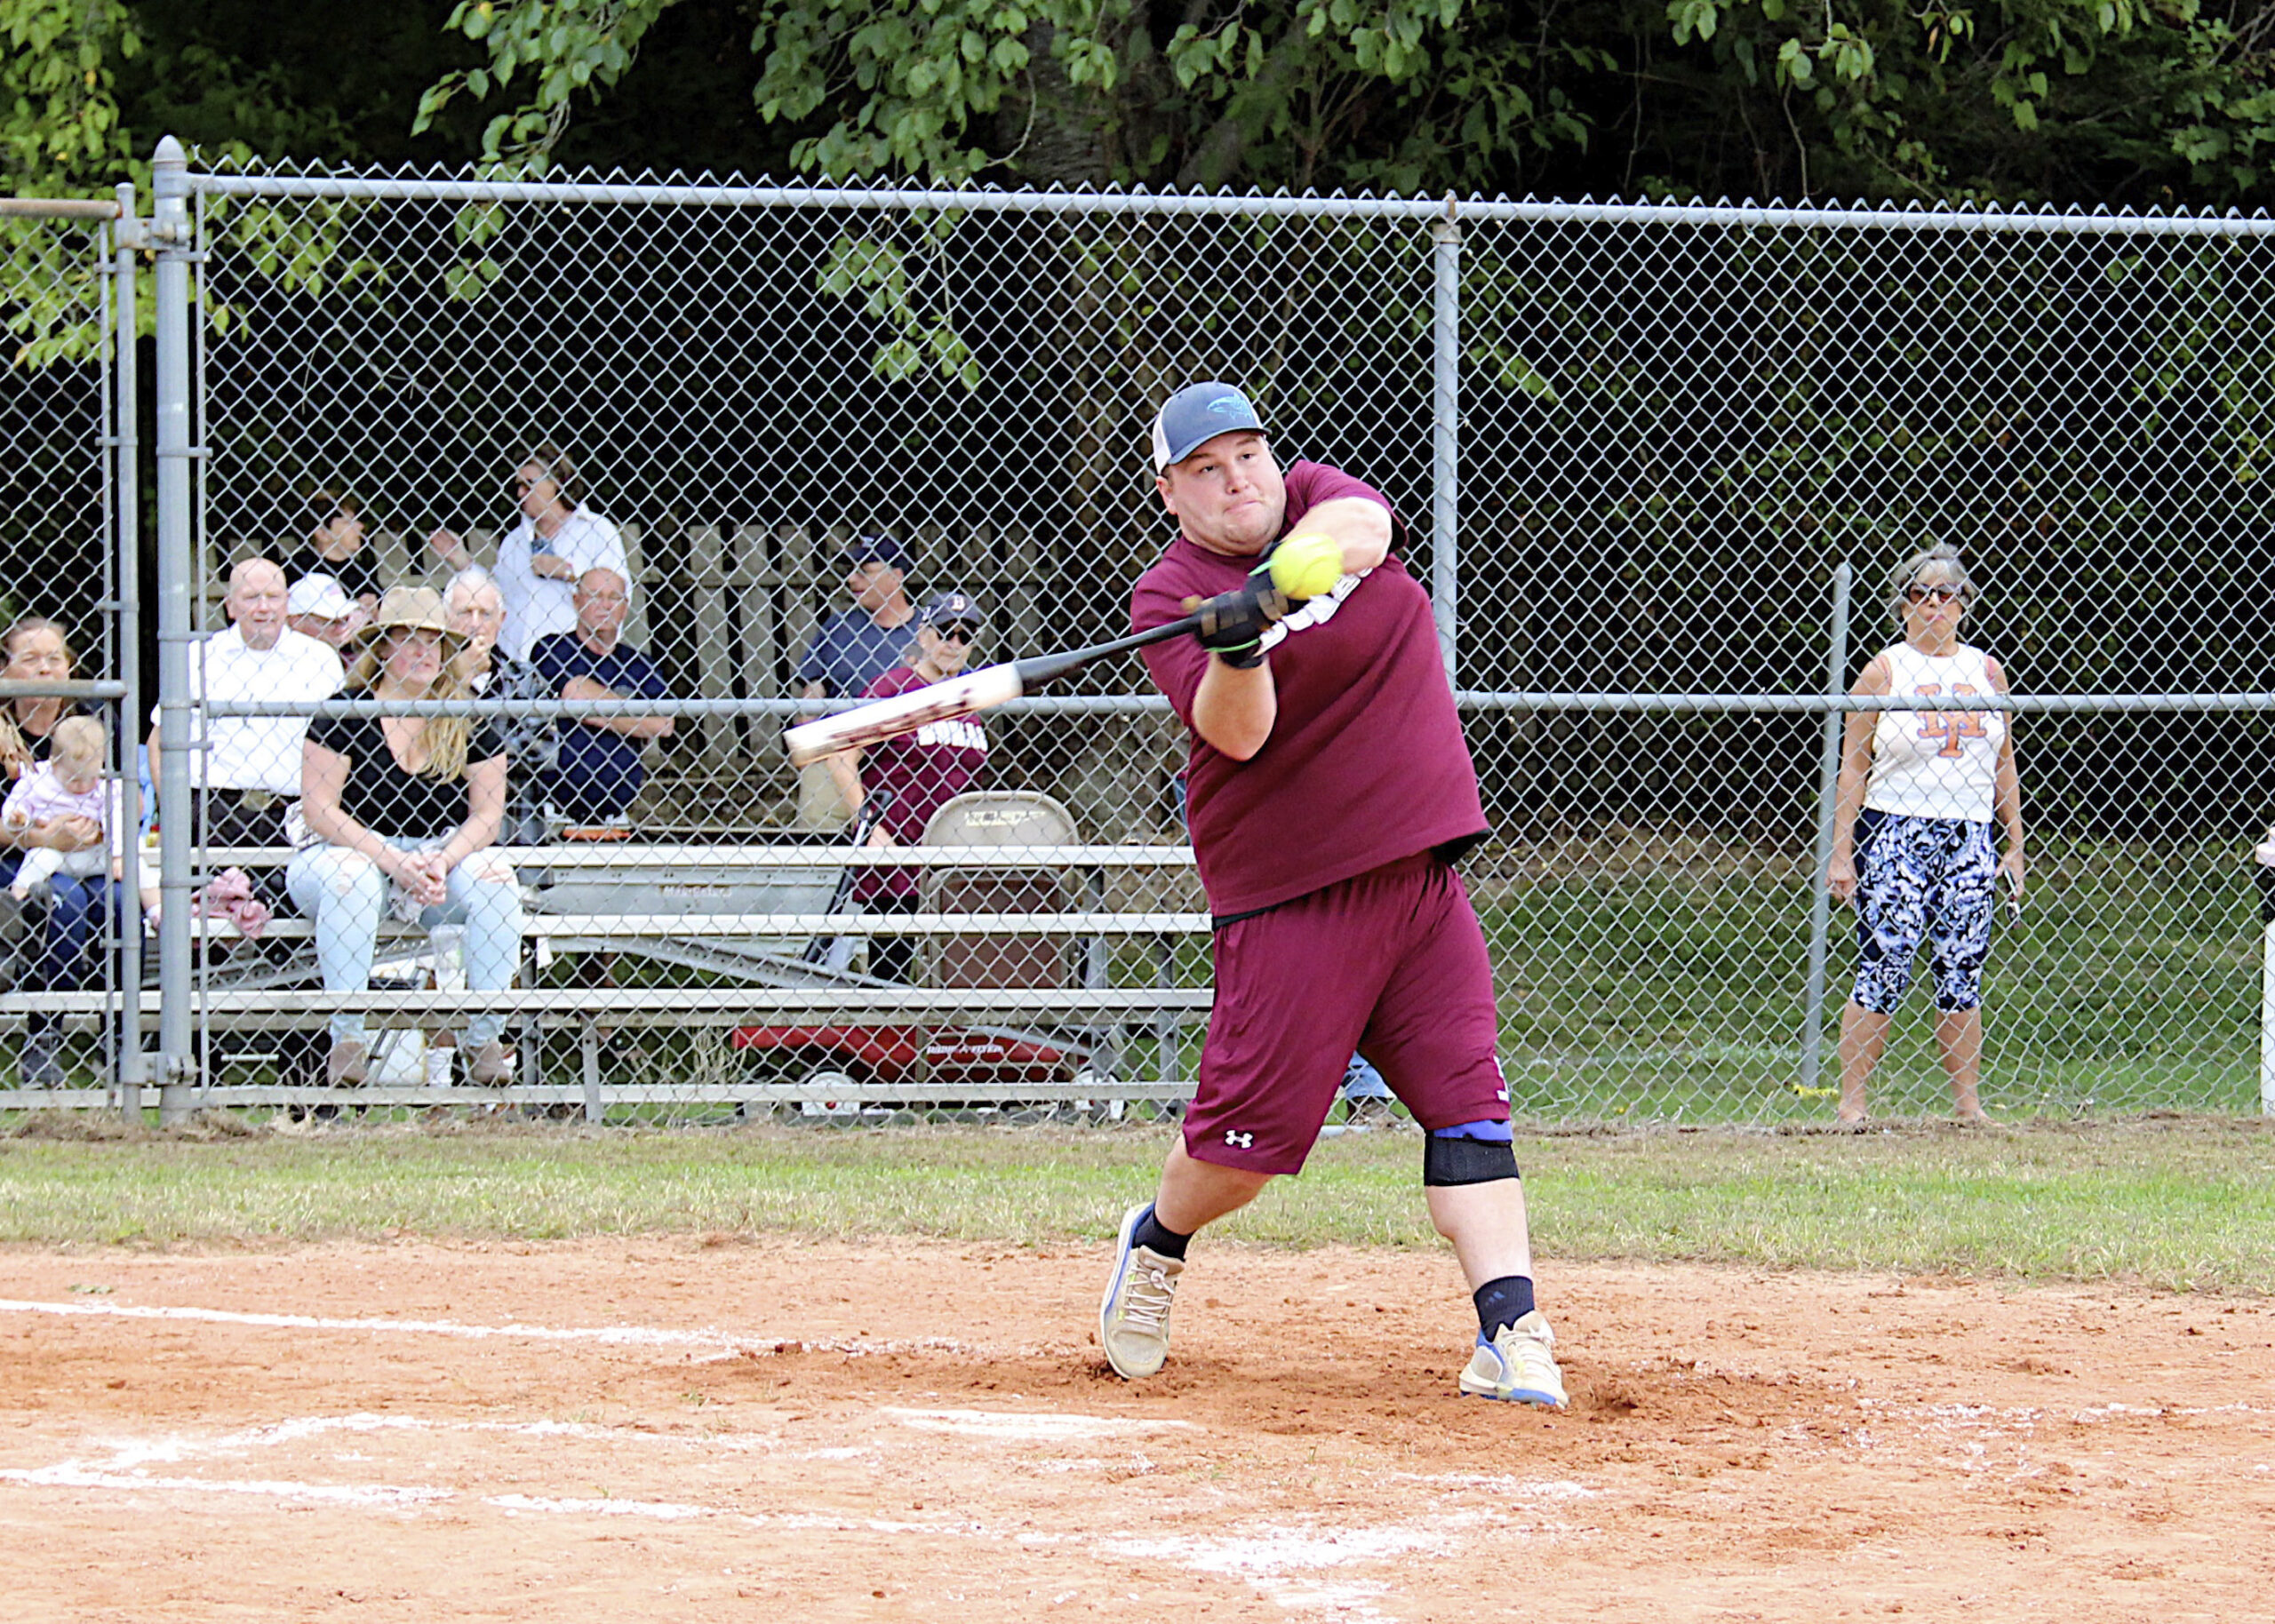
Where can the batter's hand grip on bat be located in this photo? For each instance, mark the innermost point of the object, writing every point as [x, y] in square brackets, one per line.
[1232, 622]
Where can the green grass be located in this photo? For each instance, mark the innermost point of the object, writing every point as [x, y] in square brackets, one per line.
[1669, 985]
[1675, 990]
[1663, 981]
[2181, 1204]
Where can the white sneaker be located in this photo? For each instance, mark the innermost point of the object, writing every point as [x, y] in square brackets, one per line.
[1134, 1318]
[1517, 1365]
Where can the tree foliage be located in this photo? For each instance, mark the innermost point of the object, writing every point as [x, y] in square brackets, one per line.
[60, 132]
[1075, 92]
[2137, 101]
[2093, 102]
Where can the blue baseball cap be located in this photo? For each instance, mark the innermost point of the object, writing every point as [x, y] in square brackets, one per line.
[875, 547]
[951, 608]
[1198, 413]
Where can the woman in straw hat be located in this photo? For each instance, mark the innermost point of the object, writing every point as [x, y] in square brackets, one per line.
[408, 809]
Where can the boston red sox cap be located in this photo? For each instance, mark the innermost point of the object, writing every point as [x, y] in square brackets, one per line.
[1198, 413]
[951, 608]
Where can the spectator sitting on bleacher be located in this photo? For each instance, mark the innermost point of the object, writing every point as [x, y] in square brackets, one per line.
[251, 773]
[923, 769]
[478, 612]
[335, 547]
[37, 651]
[318, 607]
[541, 559]
[854, 649]
[598, 769]
[407, 808]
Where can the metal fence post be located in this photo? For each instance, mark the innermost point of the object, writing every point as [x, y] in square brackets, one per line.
[134, 1068]
[1445, 435]
[1836, 677]
[170, 234]
[2267, 1019]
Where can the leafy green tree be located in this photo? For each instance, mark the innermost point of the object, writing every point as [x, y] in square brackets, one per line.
[1296, 92]
[2118, 101]
[2066, 100]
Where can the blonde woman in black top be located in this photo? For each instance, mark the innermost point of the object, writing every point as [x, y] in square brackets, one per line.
[408, 810]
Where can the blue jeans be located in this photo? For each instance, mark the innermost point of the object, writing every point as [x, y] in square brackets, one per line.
[1362, 1081]
[345, 894]
[74, 915]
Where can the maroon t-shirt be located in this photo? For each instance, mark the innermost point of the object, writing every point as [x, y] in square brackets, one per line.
[924, 770]
[1366, 764]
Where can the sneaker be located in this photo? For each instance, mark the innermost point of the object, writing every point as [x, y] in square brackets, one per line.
[492, 1064]
[1517, 1365]
[345, 1066]
[1134, 1318]
[38, 1066]
[1370, 1110]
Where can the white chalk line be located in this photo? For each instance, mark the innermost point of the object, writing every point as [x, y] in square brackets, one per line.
[1287, 1564]
[127, 1464]
[645, 1336]
[1010, 1426]
[722, 1344]
[1292, 1566]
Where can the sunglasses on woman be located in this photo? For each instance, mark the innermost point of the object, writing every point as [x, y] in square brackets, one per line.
[1934, 595]
[960, 632]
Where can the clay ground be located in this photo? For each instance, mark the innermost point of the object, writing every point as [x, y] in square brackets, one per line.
[676, 1429]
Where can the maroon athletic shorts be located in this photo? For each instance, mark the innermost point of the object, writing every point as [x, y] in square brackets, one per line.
[1391, 963]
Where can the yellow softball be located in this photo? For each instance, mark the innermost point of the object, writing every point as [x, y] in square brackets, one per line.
[1307, 566]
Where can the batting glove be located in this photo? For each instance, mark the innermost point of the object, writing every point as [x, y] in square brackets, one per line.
[1233, 622]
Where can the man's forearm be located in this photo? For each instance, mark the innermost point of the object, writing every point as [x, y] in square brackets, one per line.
[1234, 709]
[1361, 528]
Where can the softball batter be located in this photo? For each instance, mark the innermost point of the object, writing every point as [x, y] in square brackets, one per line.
[1331, 791]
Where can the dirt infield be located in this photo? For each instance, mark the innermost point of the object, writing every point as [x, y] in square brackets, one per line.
[682, 1430]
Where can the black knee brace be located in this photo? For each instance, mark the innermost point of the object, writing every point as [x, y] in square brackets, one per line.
[1465, 1161]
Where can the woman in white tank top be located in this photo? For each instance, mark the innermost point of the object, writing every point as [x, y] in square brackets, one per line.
[1922, 795]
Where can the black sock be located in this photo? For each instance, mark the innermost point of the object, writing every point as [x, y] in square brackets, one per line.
[1502, 1302]
[1150, 1235]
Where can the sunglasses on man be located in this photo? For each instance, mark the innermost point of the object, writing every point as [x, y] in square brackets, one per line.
[960, 631]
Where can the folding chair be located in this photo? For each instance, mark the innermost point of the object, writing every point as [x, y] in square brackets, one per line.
[1025, 818]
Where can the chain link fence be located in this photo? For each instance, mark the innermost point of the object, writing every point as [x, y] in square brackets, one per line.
[68, 827]
[1656, 465]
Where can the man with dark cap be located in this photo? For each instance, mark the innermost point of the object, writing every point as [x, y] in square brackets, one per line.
[855, 647]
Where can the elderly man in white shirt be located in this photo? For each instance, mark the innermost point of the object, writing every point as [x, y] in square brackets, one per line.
[540, 559]
[251, 774]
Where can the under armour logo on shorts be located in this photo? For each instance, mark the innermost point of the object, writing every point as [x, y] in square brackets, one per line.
[1240, 1140]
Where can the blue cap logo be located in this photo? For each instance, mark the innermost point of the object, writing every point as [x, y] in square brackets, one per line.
[950, 608]
[1196, 414]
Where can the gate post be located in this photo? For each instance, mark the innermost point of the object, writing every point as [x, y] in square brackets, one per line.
[1445, 436]
[170, 233]
[1836, 678]
[133, 1067]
